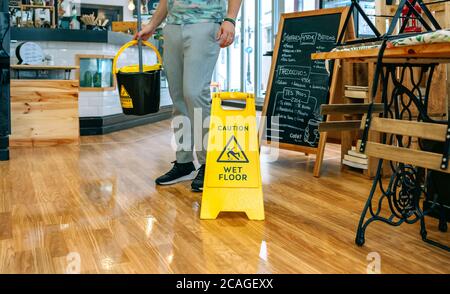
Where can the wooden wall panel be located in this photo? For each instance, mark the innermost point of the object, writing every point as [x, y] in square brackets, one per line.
[124, 26]
[44, 112]
[440, 91]
[438, 102]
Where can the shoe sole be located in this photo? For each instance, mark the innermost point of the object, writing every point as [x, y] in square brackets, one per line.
[197, 189]
[186, 178]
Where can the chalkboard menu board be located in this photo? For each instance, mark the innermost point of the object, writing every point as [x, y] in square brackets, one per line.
[299, 85]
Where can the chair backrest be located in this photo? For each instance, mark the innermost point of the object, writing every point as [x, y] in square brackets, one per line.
[421, 130]
[346, 109]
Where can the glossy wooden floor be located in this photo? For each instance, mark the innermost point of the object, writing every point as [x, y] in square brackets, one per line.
[99, 201]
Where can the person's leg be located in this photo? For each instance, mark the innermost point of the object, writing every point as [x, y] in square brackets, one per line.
[201, 53]
[183, 169]
[174, 68]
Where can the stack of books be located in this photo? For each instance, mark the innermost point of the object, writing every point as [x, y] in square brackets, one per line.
[356, 160]
[357, 92]
[356, 95]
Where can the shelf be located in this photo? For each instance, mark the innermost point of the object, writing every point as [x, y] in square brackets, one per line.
[66, 35]
[36, 7]
[42, 67]
[41, 72]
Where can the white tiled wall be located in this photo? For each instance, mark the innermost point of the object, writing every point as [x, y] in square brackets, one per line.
[99, 103]
[95, 103]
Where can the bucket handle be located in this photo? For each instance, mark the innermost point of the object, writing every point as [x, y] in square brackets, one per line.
[133, 43]
[233, 96]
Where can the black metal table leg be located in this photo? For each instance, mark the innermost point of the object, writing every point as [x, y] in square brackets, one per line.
[4, 147]
[406, 188]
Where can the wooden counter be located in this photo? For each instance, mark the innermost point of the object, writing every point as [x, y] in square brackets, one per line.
[44, 112]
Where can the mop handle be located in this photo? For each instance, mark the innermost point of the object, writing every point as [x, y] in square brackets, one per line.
[139, 28]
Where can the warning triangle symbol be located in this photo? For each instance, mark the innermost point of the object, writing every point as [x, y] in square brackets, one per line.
[233, 152]
[124, 92]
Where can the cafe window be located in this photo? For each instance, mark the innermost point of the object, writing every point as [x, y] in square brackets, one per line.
[234, 58]
[293, 5]
[266, 41]
[367, 5]
[227, 76]
[245, 65]
[249, 46]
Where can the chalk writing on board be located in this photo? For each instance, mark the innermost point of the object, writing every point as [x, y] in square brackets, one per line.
[293, 107]
[308, 38]
[300, 85]
[293, 72]
[326, 38]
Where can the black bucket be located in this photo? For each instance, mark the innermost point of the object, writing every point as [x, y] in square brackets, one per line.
[140, 92]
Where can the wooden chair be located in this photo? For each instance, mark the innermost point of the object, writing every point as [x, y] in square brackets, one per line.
[345, 109]
[352, 114]
[404, 128]
[407, 187]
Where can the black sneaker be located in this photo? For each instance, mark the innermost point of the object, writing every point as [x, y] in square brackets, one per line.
[179, 173]
[197, 183]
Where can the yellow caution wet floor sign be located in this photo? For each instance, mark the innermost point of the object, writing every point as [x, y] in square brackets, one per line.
[233, 176]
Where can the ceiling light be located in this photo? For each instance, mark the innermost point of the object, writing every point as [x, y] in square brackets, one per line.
[131, 5]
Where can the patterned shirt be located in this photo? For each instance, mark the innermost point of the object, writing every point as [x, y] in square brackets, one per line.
[196, 11]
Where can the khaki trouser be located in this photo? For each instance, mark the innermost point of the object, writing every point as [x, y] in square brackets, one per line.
[190, 56]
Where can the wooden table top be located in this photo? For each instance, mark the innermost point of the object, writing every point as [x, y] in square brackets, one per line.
[423, 53]
[43, 67]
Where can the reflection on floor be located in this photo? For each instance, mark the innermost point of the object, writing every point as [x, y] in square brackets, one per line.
[95, 209]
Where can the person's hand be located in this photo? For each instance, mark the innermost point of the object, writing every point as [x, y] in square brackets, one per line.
[145, 33]
[225, 35]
